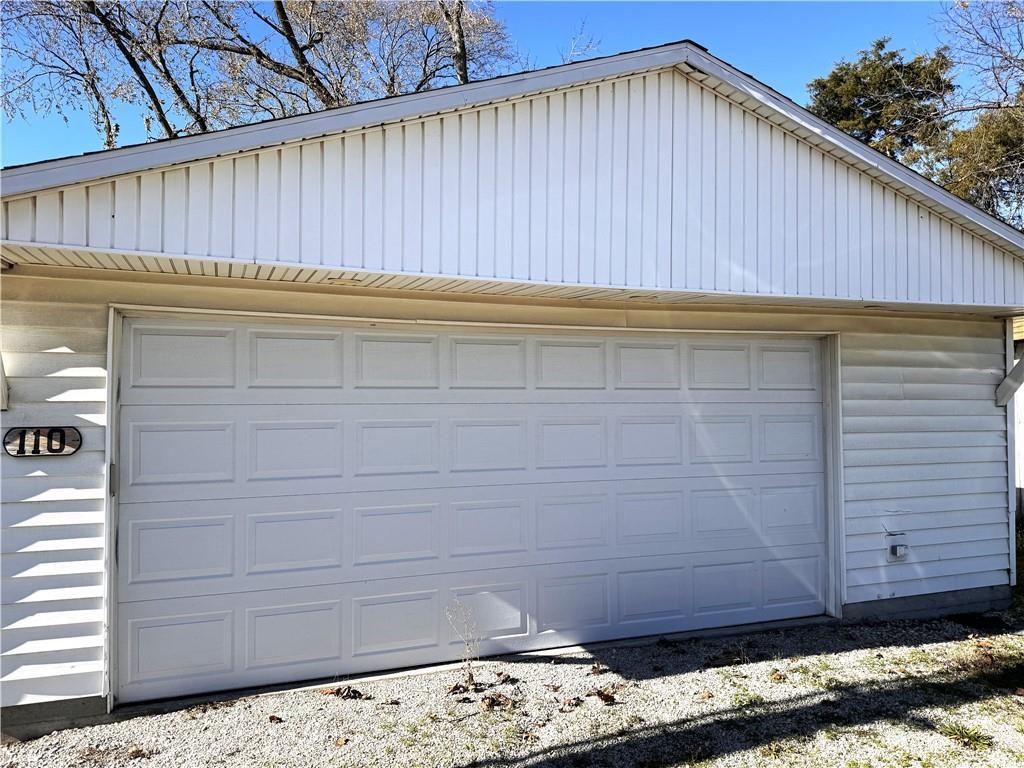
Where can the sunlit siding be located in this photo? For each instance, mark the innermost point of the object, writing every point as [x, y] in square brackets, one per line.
[924, 448]
[52, 541]
[648, 181]
[925, 452]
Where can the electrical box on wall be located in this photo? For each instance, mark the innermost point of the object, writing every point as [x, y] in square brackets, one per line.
[896, 547]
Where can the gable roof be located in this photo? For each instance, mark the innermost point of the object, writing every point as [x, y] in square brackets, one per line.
[689, 57]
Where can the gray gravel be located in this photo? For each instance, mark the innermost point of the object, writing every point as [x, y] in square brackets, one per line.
[920, 694]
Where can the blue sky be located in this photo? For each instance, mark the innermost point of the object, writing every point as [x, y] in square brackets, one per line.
[783, 44]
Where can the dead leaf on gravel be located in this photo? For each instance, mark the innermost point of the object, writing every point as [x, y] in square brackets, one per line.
[468, 684]
[275, 719]
[341, 741]
[704, 696]
[570, 704]
[776, 676]
[597, 668]
[497, 701]
[553, 687]
[209, 706]
[504, 678]
[391, 703]
[983, 643]
[345, 692]
[603, 694]
[464, 700]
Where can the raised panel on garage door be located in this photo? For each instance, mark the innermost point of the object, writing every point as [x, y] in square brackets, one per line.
[300, 501]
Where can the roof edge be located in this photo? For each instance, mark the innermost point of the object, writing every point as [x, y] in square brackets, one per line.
[35, 177]
[77, 169]
[712, 65]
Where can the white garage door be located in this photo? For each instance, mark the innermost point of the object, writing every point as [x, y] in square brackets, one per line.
[300, 502]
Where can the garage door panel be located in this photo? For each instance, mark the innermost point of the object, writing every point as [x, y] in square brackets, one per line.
[293, 542]
[243, 544]
[326, 396]
[187, 645]
[291, 634]
[176, 453]
[177, 357]
[487, 362]
[286, 449]
[180, 548]
[301, 501]
[295, 359]
[231, 451]
[203, 363]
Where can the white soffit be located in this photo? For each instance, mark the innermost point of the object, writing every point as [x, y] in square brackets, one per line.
[34, 257]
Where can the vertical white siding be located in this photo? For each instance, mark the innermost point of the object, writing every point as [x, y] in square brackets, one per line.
[648, 181]
[52, 512]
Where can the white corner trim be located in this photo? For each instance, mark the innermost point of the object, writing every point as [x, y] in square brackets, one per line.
[1011, 457]
[110, 517]
[3, 386]
[835, 594]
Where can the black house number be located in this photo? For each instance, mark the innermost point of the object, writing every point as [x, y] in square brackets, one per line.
[42, 441]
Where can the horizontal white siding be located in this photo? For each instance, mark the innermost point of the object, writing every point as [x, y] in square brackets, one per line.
[924, 447]
[925, 454]
[51, 586]
[652, 181]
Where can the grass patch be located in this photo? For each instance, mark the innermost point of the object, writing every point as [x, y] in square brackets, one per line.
[965, 735]
[748, 699]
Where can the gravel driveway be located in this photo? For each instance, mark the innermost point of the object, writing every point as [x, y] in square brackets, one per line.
[924, 693]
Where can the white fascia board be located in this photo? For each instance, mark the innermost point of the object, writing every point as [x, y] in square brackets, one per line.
[24, 179]
[870, 157]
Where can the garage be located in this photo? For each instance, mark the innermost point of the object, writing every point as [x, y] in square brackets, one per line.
[300, 501]
[617, 348]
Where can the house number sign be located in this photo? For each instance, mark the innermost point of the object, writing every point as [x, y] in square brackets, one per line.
[42, 441]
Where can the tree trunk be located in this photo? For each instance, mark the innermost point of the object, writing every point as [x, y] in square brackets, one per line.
[452, 12]
[136, 68]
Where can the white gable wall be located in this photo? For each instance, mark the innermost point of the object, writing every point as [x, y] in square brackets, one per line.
[651, 181]
[924, 446]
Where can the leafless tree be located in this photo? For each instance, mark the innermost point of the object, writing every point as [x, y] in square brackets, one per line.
[196, 65]
[581, 45]
[985, 40]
